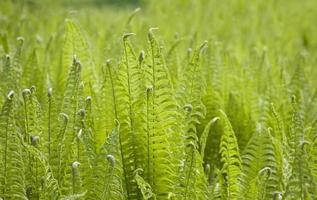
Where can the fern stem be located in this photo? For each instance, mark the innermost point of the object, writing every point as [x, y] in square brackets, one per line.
[148, 134]
[116, 118]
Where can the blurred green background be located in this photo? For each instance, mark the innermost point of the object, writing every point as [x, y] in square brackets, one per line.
[240, 26]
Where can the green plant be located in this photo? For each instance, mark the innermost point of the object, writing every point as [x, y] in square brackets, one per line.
[231, 117]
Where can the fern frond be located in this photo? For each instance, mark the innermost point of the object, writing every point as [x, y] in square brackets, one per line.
[48, 188]
[128, 93]
[71, 103]
[259, 154]
[12, 179]
[160, 124]
[230, 157]
[301, 184]
[75, 44]
[32, 133]
[144, 187]
[193, 179]
[108, 108]
[110, 168]
[204, 135]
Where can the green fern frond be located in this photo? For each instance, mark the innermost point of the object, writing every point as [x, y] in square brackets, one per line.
[230, 157]
[144, 187]
[128, 91]
[110, 168]
[48, 187]
[301, 184]
[75, 44]
[160, 123]
[204, 135]
[108, 108]
[259, 154]
[12, 179]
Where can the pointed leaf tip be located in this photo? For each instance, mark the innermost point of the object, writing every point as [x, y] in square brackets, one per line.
[150, 34]
[10, 95]
[126, 35]
[49, 92]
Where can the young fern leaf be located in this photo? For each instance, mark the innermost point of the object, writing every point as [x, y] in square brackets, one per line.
[70, 107]
[259, 154]
[107, 111]
[57, 152]
[12, 179]
[76, 179]
[282, 151]
[52, 124]
[86, 152]
[33, 113]
[144, 187]
[33, 131]
[204, 136]
[128, 91]
[74, 44]
[110, 168]
[160, 124]
[194, 181]
[230, 157]
[49, 188]
[301, 184]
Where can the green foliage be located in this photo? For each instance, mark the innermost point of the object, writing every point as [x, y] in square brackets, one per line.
[97, 105]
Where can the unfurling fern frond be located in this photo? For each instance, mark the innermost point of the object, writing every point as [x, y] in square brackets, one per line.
[144, 187]
[112, 183]
[259, 154]
[72, 100]
[194, 181]
[128, 91]
[31, 136]
[204, 136]
[74, 45]
[48, 187]
[301, 184]
[160, 119]
[12, 179]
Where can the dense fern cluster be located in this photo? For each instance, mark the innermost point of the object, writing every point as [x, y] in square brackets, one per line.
[152, 120]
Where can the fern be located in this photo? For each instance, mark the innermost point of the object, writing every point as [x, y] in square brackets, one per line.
[113, 184]
[300, 185]
[144, 187]
[230, 157]
[146, 124]
[128, 91]
[257, 158]
[49, 188]
[70, 108]
[74, 46]
[195, 112]
[12, 179]
[159, 122]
